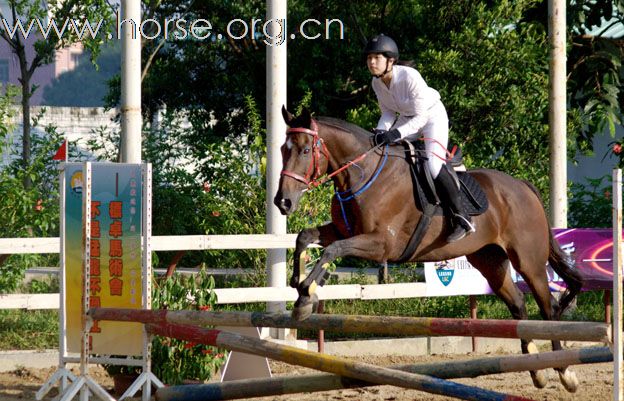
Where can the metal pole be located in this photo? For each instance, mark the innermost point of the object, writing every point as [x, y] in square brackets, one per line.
[606, 299]
[618, 371]
[557, 113]
[131, 123]
[276, 131]
[473, 315]
[62, 285]
[321, 333]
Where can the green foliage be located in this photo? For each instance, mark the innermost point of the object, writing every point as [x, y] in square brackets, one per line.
[31, 329]
[173, 360]
[492, 73]
[32, 211]
[92, 10]
[595, 66]
[28, 329]
[45, 285]
[589, 307]
[596, 81]
[489, 60]
[39, 329]
[590, 204]
[365, 115]
[234, 196]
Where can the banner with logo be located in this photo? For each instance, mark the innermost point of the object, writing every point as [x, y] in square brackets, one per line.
[591, 250]
[454, 277]
[115, 264]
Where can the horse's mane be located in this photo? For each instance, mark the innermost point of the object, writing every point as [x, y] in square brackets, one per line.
[358, 132]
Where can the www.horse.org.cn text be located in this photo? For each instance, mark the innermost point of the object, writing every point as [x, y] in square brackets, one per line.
[273, 32]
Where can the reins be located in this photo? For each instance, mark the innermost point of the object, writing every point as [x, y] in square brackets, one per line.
[313, 176]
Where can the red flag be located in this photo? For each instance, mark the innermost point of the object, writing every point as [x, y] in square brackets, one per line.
[61, 153]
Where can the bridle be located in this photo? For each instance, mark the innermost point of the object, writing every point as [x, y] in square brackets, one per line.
[313, 172]
[313, 177]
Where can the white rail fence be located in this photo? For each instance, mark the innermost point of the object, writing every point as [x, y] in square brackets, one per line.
[224, 295]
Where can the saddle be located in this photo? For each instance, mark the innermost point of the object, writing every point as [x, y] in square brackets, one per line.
[473, 198]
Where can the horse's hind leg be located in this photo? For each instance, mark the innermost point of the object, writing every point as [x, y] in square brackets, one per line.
[493, 263]
[534, 274]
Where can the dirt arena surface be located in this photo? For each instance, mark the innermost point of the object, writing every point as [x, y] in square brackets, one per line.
[596, 383]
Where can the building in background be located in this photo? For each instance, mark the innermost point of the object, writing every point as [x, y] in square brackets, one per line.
[66, 59]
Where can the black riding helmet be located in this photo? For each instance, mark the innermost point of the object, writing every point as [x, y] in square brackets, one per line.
[382, 44]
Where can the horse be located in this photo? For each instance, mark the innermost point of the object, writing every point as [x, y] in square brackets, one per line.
[514, 230]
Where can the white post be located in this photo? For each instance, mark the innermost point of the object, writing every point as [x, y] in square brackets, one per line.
[618, 393]
[557, 113]
[146, 267]
[62, 284]
[131, 122]
[87, 194]
[276, 131]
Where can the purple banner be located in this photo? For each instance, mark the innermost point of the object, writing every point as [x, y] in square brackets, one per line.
[592, 249]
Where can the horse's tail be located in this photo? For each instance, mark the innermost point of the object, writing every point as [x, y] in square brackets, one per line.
[562, 265]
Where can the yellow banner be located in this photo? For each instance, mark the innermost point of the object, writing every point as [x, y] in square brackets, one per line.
[116, 258]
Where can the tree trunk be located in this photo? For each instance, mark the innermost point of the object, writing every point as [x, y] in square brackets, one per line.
[25, 76]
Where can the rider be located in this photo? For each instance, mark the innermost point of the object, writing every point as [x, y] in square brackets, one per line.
[410, 109]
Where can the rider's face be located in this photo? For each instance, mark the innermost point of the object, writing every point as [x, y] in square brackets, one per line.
[376, 63]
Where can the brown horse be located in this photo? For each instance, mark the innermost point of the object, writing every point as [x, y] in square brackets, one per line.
[513, 229]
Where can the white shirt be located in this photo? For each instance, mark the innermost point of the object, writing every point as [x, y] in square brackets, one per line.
[408, 96]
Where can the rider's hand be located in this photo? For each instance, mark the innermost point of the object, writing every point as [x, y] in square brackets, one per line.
[382, 137]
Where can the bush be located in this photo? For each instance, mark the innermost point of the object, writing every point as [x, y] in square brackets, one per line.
[27, 210]
[174, 361]
[591, 205]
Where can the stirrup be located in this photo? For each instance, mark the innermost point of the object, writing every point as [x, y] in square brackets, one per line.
[465, 223]
[463, 227]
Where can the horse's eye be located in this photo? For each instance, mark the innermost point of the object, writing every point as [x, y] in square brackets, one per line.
[306, 151]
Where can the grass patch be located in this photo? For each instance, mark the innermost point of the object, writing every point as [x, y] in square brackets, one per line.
[589, 307]
[28, 329]
[39, 329]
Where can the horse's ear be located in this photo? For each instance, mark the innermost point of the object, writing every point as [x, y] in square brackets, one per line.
[306, 117]
[288, 117]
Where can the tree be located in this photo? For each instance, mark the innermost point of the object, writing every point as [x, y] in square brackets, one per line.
[595, 66]
[26, 211]
[488, 59]
[483, 57]
[492, 71]
[596, 48]
[60, 15]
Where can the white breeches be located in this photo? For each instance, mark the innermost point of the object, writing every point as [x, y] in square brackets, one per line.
[435, 134]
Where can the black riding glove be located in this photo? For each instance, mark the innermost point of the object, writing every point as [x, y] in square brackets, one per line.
[383, 137]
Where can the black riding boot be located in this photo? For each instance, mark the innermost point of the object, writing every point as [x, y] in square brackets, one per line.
[450, 196]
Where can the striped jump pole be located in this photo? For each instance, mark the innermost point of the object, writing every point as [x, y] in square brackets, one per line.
[327, 363]
[416, 326]
[263, 387]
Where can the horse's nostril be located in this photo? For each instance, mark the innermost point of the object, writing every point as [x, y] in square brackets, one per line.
[285, 204]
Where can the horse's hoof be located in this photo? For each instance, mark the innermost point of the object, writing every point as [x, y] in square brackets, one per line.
[304, 307]
[569, 380]
[539, 378]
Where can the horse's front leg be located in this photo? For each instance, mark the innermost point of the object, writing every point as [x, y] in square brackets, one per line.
[322, 235]
[366, 246]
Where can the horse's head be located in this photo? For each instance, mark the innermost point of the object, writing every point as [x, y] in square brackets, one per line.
[304, 158]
